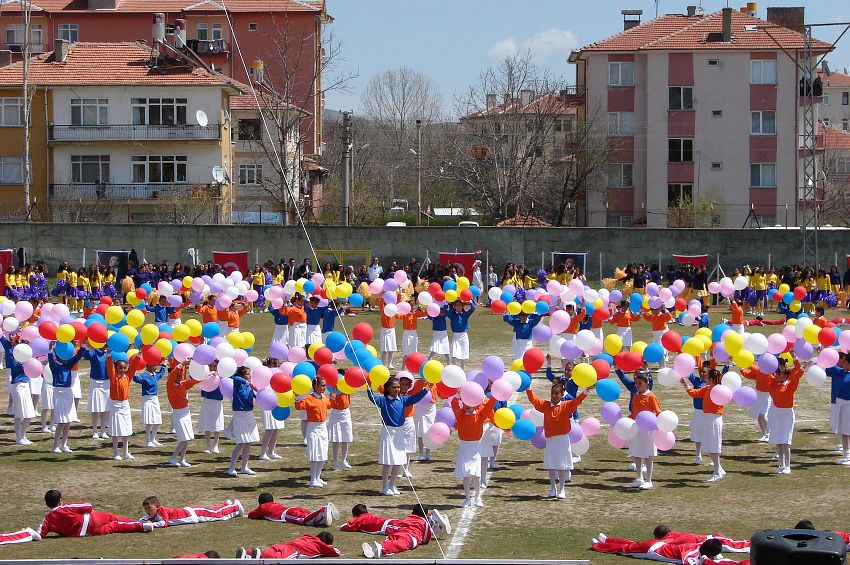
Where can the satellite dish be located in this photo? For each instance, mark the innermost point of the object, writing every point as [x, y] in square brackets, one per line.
[201, 116]
[218, 174]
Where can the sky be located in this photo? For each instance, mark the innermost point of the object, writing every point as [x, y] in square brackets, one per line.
[452, 40]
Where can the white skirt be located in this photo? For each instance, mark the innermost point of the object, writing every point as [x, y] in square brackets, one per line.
[781, 425]
[642, 445]
[75, 384]
[519, 347]
[440, 343]
[64, 411]
[696, 426]
[599, 333]
[391, 446]
[468, 462]
[151, 412]
[491, 439]
[245, 427]
[339, 426]
[98, 395]
[626, 335]
[211, 417]
[317, 441]
[280, 334]
[833, 417]
[460, 345]
[35, 385]
[314, 334]
[423, 418]
[409, 342]
[843, 416]
[388, 340]
[712, 433]
[181, 421]
[22, 400]
[409, 428]
[298, 335]
[557, 455]
[47, 395]
[761, 406]
[120, 419]
[270, 422]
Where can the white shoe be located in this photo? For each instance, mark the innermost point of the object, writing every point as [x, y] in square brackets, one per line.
[95, 436]
[59, 450]
[637, 483]
[396, 492]
[466, 503]
[763, 438]
[479, 502]
[66, 449]
[104, 435]
[388, 492]
[117, 458]
[331, 514]
[561, 494]
[407, 474]
[430, 459]
[714, 478]
[368, 550]
[345, 465]
[774, 456]
[631, 467]
[150, 444]
[156, 444]
[645, 486]
[840, 448]
[264, 457]
[786, 471]
[484, 485]
[576, 458]
[207, 450]
[441, 521]
[844, 461]
[147, 526]
[215, 449]
[238, 503]
[35, 535]
[174, 462]
[698, 460]
[314, 484]
[248, 471]
[323, 482]
[185, 463]
[232, 472]
[46, 430]
[129, 457]
[553, 492]
[241, 553]
[274, 455]
[594, 541]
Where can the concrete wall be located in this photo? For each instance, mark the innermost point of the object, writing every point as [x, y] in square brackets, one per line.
[57, 242]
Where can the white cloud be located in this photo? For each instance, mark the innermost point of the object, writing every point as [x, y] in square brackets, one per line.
[541, 45]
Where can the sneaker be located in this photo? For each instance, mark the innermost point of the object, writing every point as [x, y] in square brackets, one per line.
[275, 456]
[241, 553]
[422, 459]
[844, 461]
[602, 537]
[315, 484]
[388, 492]
[147, 526]
[104, 435]
[466, 503]
[117, 458]
[637, 483]
[645, 486]
[714, 478]
[208, 450]
[484, 485]
[95, 436]
[56, 450]
[368, 550]
[440, 521]
[323, 482]
[576, 458]
[248, 471]
[763, 438]
[238, 503]
[156, 444]
[631, 467]
[129, 457]
[232, 472]
[150, 444]
[185, 463]
[430, 459]
[786, 471]
[840, 448]
[173, 462]
[378, 550]
[331, 514]
[264, 457]
[698, 460]
[66, 449]
[256, 553]
[395, 490]
[594, 541]
[479, 502]
[345, 465]
[335, 466]
[553, 492]
[215, 449]
[774, 455]
[35, 535]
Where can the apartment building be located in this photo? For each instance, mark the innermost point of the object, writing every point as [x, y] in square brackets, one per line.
[703, 109]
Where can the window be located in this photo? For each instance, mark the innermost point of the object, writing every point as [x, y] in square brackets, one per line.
[717, 113]
[621, 123]
[845, 98]
[16, 37]
[216, 32]
[89, 111]
[681, 97]
[69, 32]
[250, 130]
[845, 124]
[621, 74]
[825, 100]
[250, 174]
[825, 122]
[762, 221]
[679, 194]
[159, 111]
[159, 168]
[620, 175]
[11, 170]
[717, 166]
[840, 166]
[680, 150]
[762, 175]
[713, 62]
[763, 123]
[252, 27]
[209, 32]
[202, 31]
[11, 111]
[90, 169]
[763, 71]
[619, 222]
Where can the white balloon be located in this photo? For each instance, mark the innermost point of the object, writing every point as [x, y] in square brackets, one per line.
[218, 277]
[226, 367]
[453, 376]
[731, 380]
[11, 323]
[667, 421]
[581, 446]
[816, 376]
[741, 283]
[425, 298]
[22, 352]
[585, 340]
[7, 308]
[688, 319]
[390, 310]
[670, 302]
[626, 429]
[231, 292]
[555, 346]
[164, 288]
[590, 295]
[252, 363]
[536, 417]
[668, 377]
[801, 325]
[235, 276]
[224, 350]
[197, 371]
[494, 293]
[513, 378]
[242, 286]
[289, 287]
[756, 343]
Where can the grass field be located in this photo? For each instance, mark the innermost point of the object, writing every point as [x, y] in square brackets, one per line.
[517, 522]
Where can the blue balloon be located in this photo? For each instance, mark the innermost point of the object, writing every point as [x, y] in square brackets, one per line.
[526, 381]
[718, 331]
[507, 297]
[368, 363]
[517, 410]
[605, 357]
[64, 351]
[608, 390]
[355, 300]
[280, 413]
[165, 328]
[541, 307]
[788, 297]
[449, 285]
[524, 429]
[148, 288]
[210, 330]
[335, 341]
[95, 318]
[120, 356]
[304, 368]
[118, 342]
[653, 353]
[309, 287]
[476, 292]
[589, 308]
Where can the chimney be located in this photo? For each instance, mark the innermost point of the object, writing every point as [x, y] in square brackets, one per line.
[525, 97]
[158, 32]
[180, 34]
[5, 58]
[60, 50]
[692, 11]
[727, 25]
[491, 101]
[792, 18]
[631, 18]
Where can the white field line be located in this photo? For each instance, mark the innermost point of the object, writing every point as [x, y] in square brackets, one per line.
[462, 529]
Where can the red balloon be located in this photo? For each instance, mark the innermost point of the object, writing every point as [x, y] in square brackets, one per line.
[439, 296]
[106, 300]
[164, 335]
[545, 298]
[97, 333]
[681, 305]
[355, 377]
[434, 287]
[466, 295]
[323, 356]
[671, 341]
[414, 361]
[196, 340]
[532, 360]
[151, 355]
[799, 293]
[47, 330]
[628, 360]
[498, 306]
[603, 369]
[101, 309]
[777, 296]
[281, 382]
[601, 314]
[444, 391]
[141, 293]
[827, 336]
[362, 332]
[329, 373]
[80, 329]
[136, 362]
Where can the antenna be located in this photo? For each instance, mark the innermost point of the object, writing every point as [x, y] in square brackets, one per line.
[218, 174]
[201, 116]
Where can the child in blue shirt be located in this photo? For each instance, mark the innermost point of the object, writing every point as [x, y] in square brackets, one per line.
[151, 412]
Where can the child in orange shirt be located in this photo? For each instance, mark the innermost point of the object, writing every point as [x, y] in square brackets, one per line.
[207, 310]
[783, 387]
[658, 320]
[120, 420]
[409, 335]
[297, 320]
[389, 344]
[229, 319]
[424, 417]
[470, 427]
[642, 449]
[340, 431]
[576, 318]
[316, 406]
[623, 318]
[271, 426]
[177, 387]
[737, 321]
[557, 417]
[711, 424]
[760, 410]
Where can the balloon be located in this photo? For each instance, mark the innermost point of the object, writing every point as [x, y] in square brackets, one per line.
[816, 376]
[204, 354]
[799, 293]
[628, 360]
[743, 358]
[414, 361]
[362, 332]
[439, 432]
[741, 283]
[608, 390]
[532, 360]
[613, 344]
[497, 306]
[664, 441]
[667, 421]
[584, 375]
[559, 321]
[524, 429]
[653, 353]
[118, 342]
[301, 384]
[827, 337]
[501, 390]
[23, 353]
[610, 413]
[267, 399]
[732, 381]
[756, 343]
[776, 343]
[432, 371]
[602, 368]
[668, 377]
[65, 333]
[614, 440]
[671, 341]
[210, 330]
[47, 330]
[646, 421]
[684, 364]
[471, 394]
[626, 429]
[197, 371]
[569, 350]
[453, 376]
[720, 395]
[733, 342]
[827, 358]
[493, 367]
[585, 339]
[590, 426]
[575, 433]
[768, 363]
[23, 310]
[513, 378]
[114, 314]
[745, 397]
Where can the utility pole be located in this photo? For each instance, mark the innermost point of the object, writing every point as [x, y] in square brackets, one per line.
[26, 51]
[348, 146]
[419, 172]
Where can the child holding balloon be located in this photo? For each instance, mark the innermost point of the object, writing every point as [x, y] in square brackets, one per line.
[406, 382]
[409, 335]
[211, 416]
[340, 431]
[458, 315]
[642, 449]
[177, 388]
[760, 410]
[297, 319]
[783, 387]
[389, 344]
[64, 410]
[440, 337]
[244, 424]
[470, 421]
[624, 319]
[20, 382]
[120, 420]
[281, 325]
[711, 426]
[316, 405]
[271, 426]
[151, 412]
[522, 325]
[424, 416]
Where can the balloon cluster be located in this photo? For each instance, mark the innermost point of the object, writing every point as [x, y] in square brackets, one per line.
[438, 296]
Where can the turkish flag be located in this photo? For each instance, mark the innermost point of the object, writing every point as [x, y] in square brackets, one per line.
[6, 256]
[695, 260]
[462, 261]
[232, 261]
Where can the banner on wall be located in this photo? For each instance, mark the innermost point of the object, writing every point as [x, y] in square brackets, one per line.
[231, 261]
[461, 261]
[848, 261]
[6, 258]
[695, 260]
[569, 260]
[115, 259]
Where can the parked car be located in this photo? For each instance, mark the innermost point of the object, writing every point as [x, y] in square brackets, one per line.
[396, 224]
[468, 224]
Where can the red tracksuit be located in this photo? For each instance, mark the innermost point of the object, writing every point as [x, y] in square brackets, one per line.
[21, 536]
[304, 547]
[78, 519]
[192, 556]
[166, 516]
[371, 524]
[412, 532]
[625, 546]
[275, 512]
[686, 553]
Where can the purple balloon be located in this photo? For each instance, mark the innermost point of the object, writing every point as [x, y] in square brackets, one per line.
[509, 288]
[803, 350]
[539, 439]
[195, 297]
[206, 278]
[655, 302]
[720, 353]
[216, 341]
[569, 350]
[425, 401]
[541, 333]
[204, 354]
[744, 397]
[40, 346]
[446, 416]
[479, 377]
[768, 363]
[215, 288]
[390, 285]
[493, 367]
[646, 421]
[610, 412]
[576, 433]
[175, 300]
[615, 296]
[226, 387]
[390, 297]
[279, 351]
[267, 399]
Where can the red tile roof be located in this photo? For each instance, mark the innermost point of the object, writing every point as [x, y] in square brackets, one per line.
[145, 6]
[834, 79]
[526, 220]
[113, 64]
[834, 138]
[546, 104]
[249, 102]
[681, 32]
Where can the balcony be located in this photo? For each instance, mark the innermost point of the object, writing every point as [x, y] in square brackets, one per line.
[131, 191]
[35, 48]
[134, 133]
[208, 46]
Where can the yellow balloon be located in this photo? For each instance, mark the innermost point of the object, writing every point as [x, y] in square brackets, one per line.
[344, 387]
[451, 295]
[195, 327]
[791, 322]
[329, 285]
[432, 371]
[248, 340]
[706, 341]
[734, 342]
[114, 314]
[514, 308]
[65, 333]
[613, 344]
[528, 306]
[164, 346]
[301, 384]
[516, 365]
[795, 306]
[504, 418]
[462, 284]
[638, 347]
[783, 288]
[96, 345]
[285, 399]
[744, 358]
[704, 332]
[236, 340]
[584, 375]
[133, 300]
[311, 350]
[810, 334]
[598, 303]
[645, 303]
[131, 352]
[344, 290]
[149, 333]
[299, 285]
[332, 293]
[130, 332]
[378, 375]
[371, 349]
[692, 347]
[136, 318]
[180, 333]
[787, 357]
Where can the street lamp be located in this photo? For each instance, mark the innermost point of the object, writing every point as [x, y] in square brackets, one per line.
[419, 172]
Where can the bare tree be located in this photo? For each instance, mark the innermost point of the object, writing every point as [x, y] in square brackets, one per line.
[176, 206]
[835, 163]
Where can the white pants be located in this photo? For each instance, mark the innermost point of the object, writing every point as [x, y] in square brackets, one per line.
[626, 335]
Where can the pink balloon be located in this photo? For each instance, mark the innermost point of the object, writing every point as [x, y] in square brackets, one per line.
[559, 321]
[403, 308]
[297, 354]
[210, 383]
[318, 279]
[29, 333]
[471, 393]
[614, 440]
[596, 348]
[286, 368]
[183, 351]
[684, 365]
[501, 389]
[23, 310]
[776, 343]
[252, 295]
[844, 340]
[433, 310]
[261, 376]
[240, 355]
[277, 303]
[790, 334]
[590, 426]
[400, 277]
[439, 432]
[721, 395]
[664, 441]
[827, 358]
[33, 368]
